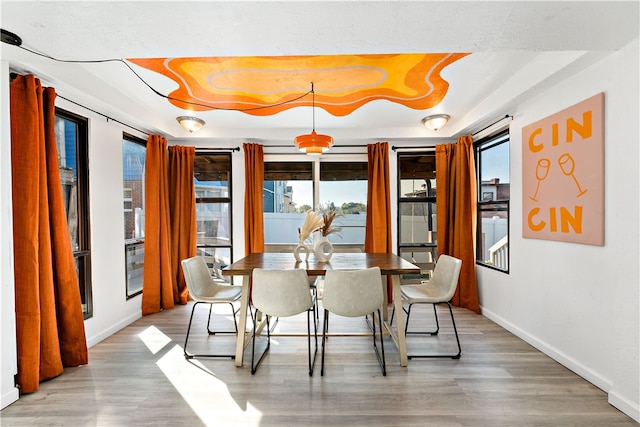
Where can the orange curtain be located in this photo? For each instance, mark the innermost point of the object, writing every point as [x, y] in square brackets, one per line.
[48, 308]
[157, 284]
[377, 237]
[182, 204]
[253, 198]
[456, 209]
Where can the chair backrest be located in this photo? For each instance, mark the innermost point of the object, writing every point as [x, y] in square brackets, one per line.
[445, 276]
[198, 278]
[353, 293]
[280, 293]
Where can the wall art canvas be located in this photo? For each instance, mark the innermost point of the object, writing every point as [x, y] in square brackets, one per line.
[563, 175]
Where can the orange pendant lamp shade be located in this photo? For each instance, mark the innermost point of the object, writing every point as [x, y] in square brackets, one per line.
[313, 143]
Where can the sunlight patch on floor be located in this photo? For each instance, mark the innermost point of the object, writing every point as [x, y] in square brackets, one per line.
[154, 339]
[208, 396]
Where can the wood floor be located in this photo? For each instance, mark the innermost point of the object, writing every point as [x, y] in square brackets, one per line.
[139, 377]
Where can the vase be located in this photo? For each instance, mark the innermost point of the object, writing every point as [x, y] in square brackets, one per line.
[323, 249]
[301, 248]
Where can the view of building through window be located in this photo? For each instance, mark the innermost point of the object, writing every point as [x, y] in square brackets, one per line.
[134, 154]
[71, 140]
[492, 162]
[289, 193]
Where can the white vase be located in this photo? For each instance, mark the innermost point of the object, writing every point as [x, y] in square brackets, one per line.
[323, 249]
[301, 248]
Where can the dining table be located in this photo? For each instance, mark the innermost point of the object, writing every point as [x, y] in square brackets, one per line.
[391, 266]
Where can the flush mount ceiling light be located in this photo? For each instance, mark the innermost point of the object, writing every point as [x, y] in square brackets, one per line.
[189, 123]
[313, 143]
[436, 121]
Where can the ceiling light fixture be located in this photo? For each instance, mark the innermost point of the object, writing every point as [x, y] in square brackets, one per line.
[189, 123]
[435, 122]
[313, 143]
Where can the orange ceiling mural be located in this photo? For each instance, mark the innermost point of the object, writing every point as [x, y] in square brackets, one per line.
[267, 85]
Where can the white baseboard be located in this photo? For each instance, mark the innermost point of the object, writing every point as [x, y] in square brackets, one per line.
[95, 339]
[9, 397]
[560, 357]
[630, 408]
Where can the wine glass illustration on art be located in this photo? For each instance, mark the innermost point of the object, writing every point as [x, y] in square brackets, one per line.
[542, 170]
[568, 166]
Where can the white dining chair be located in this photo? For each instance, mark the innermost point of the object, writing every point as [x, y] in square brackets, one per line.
[282, 293]
[439, 289]
[203, 289]
[354, 293]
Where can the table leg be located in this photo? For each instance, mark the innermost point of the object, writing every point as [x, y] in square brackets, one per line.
[399, 315]
[385, 304]
[242, 324]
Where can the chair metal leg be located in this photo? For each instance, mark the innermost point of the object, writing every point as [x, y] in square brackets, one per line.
[254, 366]
[324, 337]
[188, 355]
[455, 330]
[234, 312]
[311, 318]
[406, 325]
[381, 359]
[372, 326]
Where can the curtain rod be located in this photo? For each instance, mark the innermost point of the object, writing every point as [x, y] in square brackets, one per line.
[414, 147]
[335, 146]
[205, 150]
[488, 126]
[103, 115]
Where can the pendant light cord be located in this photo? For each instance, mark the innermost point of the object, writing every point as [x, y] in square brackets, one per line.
[313, 107]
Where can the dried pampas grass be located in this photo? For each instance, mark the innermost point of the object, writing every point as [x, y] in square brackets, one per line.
[313, 222]
[328, 216]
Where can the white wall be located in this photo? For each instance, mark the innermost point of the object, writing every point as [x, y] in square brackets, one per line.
[579, 303]
[8, 363]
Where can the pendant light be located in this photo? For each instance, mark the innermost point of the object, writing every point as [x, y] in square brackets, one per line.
[313, 143]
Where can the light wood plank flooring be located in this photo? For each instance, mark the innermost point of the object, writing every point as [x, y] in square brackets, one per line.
[139, 377]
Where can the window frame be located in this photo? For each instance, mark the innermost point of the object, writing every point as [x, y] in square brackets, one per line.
[216, 269]
[134, 243]
[82, 256]
[316, 162]
[402, 201]
[481, 146]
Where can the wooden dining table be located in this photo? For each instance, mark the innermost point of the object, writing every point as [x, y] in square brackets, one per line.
[391, 265]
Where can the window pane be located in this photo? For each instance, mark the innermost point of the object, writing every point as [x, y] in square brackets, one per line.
[213, 226]
[71, 143]
[288, 193]
[417, 174]
[494, 171]
[417, 222]
[133, 162]
[493, 202]
[212, 180]
[134, 254]
[343, 187]
[216, 258]
[66, 140]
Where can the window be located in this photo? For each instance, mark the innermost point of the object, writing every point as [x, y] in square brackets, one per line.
[492, 160]
[134, 154]
[417, 212]
[72, 143]
[212, 180]
[293, 186]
